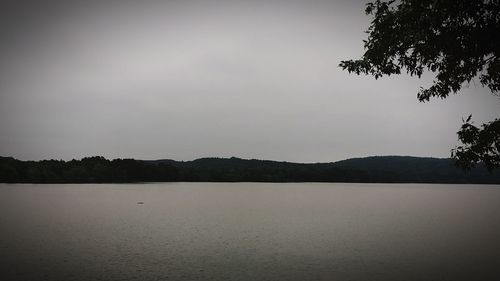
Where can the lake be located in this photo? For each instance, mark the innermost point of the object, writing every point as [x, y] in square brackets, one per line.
[249, 231]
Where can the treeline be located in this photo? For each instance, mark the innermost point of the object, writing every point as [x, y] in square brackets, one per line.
[377, 169]
[87, 170]
[383, 169]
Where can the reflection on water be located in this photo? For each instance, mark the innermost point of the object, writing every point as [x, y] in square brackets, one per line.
[249, 231]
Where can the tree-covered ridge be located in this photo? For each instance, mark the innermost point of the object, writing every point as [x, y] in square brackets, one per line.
[87, 170]
[381, 169]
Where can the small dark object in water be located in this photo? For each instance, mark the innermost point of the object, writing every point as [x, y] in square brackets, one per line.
[140, 202]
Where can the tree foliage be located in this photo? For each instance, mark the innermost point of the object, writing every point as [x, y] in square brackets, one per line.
[87, 170]
[480, 144]
[457, 40]
[372, 169]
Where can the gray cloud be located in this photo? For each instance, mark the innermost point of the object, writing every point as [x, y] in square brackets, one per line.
[187, 79]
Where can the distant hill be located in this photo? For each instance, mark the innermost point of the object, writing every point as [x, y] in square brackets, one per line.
[378, 169]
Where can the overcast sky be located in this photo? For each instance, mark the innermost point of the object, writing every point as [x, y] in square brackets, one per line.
[189, 79]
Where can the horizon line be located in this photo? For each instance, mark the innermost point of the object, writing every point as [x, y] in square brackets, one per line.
[229, 157]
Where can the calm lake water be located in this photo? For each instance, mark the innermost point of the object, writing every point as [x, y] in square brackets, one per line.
[249, 231]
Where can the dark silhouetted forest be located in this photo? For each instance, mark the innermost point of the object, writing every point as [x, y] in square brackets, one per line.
[87, 170]
[380, 169]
